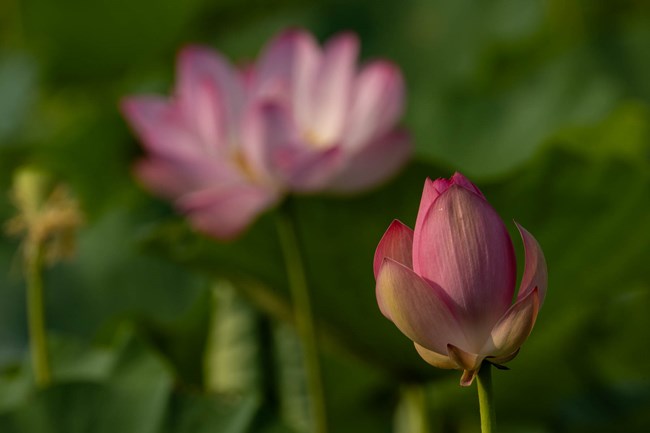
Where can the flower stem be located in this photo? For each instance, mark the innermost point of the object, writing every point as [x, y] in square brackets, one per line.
[486, 398]
[304, 319]
[412, 413]
[36, 314]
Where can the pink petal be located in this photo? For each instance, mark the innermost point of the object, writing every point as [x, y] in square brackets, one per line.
[225, 211]
[535, 272]
[513, 328]
[268, 128]
[397, 244]
[161, 127]
[441, 185]
[464, 248]
[287, 67]
[160, 176]
[429, 194]
[373, 164]
[272, 146]
[459, 179]
[247, 74]
[333, 86]
[418, 309]
[306, 169]
[172, 177]
[432, 189]
[376, 105]
[435, 358]
[211, 95]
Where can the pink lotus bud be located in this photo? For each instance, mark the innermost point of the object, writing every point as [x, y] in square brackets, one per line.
[449, 284]
[231, 142]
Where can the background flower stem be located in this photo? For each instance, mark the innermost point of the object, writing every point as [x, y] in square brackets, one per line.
[412, 415]
[36, 314]
[304, 318]
[486, 399]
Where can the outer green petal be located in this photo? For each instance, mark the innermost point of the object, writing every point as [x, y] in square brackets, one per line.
[535, 272]
[513, 328]
[435, 358]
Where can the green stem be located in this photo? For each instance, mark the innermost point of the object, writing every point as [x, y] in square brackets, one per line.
[486, 398]
[413, 415]
[304, 318]
[36, 314]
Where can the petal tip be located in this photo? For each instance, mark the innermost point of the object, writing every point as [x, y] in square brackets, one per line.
[129, 105]
[467, 378]
[190, 52]
[535, 268]
[126, 105]
[347, 37]
[292, 34]
[396, 243]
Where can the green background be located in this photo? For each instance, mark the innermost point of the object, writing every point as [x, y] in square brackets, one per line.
[544, 104]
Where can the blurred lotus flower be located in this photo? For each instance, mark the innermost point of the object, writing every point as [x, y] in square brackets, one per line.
[340, 120]
[449, 284]
[231, 142]
[195, 150]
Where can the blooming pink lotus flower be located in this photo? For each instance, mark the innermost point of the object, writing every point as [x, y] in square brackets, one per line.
[231, 142]
[449, 284]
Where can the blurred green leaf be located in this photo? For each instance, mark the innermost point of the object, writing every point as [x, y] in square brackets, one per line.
[110, 279]
[493, 131]
[183, 341]
[18, 87]
[232, 360]
[132, 399]
[194, 414]
[85, 41]
[123, 386]
[292, 379]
